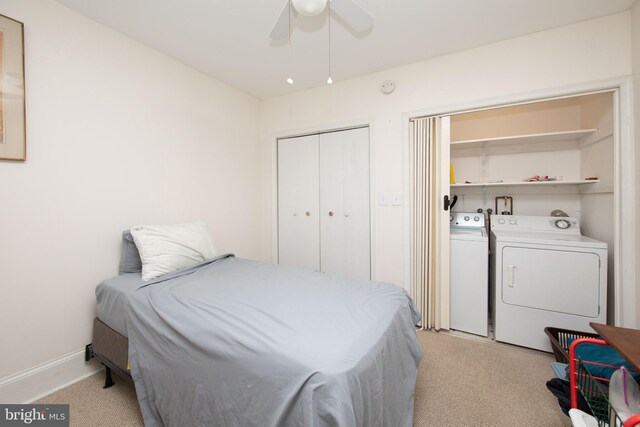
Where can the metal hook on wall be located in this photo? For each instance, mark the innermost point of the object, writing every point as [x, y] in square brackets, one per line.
[507, 207]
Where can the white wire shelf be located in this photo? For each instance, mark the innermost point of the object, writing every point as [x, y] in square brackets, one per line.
[524, 184]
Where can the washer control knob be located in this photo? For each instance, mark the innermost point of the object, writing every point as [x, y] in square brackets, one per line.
[501, 221]
[476, 218]
[562, 224]
[513, 222]
[466, 218]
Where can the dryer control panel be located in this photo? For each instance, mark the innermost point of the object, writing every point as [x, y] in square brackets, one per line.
[541, 224]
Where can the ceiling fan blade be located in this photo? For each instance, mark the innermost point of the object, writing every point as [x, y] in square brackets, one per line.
[352, 14]
[281, 29]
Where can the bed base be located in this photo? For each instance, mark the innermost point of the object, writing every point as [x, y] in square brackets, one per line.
[111, 349]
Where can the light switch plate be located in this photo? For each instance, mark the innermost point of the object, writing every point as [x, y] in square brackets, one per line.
[384, 199]
[396, 199]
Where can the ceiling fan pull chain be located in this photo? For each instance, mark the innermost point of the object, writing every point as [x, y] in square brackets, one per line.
[290, 78]
[329, 80]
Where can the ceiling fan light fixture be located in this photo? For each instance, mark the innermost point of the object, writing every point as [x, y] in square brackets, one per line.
[309, 7]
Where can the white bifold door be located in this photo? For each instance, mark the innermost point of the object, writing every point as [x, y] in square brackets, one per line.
[323, 202]
[299, 202]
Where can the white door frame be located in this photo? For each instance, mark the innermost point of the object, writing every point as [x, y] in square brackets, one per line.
[352, 124]
[624, 177]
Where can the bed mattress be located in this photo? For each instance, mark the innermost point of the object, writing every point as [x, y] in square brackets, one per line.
[111, 297]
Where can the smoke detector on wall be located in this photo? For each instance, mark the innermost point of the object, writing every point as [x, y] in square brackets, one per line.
[387, 86]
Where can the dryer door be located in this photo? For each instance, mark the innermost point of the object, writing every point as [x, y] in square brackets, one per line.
[564, 281]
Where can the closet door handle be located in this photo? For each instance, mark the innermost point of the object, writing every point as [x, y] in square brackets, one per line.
[450, 203]
[330, 213]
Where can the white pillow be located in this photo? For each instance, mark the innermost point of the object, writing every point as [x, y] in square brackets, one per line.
[168, 248]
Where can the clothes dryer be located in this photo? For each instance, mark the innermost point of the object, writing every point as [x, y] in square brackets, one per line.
[545, 273]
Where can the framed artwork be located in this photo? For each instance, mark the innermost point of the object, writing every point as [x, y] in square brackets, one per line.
[13, 141]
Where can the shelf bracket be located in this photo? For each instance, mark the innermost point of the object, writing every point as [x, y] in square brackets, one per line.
[484, 154]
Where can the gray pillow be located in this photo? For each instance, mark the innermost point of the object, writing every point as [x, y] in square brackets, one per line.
[130, 259]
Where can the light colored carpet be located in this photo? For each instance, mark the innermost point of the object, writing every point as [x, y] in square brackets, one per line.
[461, 382]
[91, 405]
[472, 382]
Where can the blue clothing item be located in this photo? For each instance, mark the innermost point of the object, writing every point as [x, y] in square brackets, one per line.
[606, 355]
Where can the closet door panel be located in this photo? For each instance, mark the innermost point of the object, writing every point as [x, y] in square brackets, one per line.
[298, 202]
[344, 203]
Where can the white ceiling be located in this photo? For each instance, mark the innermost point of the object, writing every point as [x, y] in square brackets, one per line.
[229, 39]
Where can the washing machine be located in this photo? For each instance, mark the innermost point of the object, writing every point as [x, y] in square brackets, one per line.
[469, 273]
[544, 273]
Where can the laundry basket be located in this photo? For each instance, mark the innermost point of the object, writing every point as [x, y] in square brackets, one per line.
[561, 339]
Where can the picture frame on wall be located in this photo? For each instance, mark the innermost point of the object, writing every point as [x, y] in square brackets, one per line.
[13, 140]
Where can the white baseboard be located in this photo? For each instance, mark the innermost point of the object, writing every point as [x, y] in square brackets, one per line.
[39, 381]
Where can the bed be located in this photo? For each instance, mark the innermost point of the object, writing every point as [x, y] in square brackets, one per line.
[234, 342]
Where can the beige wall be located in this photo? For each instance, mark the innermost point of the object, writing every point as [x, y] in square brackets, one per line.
[117, 134]
[584, 52]
[635, 57]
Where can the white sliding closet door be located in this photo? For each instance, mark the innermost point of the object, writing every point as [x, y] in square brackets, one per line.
[344, 203]
[298, 202]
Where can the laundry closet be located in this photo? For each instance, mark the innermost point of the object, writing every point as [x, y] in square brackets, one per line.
[540, 159]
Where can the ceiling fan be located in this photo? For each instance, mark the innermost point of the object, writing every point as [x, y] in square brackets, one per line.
[356, 17]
